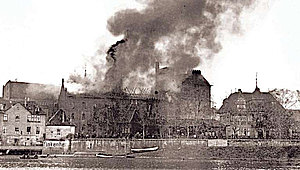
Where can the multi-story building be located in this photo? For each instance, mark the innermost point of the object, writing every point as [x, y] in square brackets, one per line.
[114, 114]
[41, 95]
[22, 126]
[161, 114]
[254, 115]
[188, 111]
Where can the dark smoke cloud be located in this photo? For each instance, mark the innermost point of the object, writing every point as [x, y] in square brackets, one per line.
[186, 31]
[41, 92]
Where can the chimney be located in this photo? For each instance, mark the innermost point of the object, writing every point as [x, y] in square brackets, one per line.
[63, 117]
[196, 72]
[156, 76]
[156, 67]
[85, 71]
[62, 83]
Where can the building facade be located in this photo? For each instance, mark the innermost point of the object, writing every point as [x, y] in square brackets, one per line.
[254, 115]
[41, 95]
[59, 127]
[20, 126]
[114, 114]
[162, 114]
[188, 111]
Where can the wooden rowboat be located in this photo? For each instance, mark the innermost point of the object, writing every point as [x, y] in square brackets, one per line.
[104, 155]
[148, 149]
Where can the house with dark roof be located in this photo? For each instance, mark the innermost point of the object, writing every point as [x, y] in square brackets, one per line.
[254, 115]
[59, 127]
[109, 114]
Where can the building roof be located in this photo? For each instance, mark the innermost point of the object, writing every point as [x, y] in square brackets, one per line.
[59, 119]
[31, 110]
[196, 78]
[256, 96]
[15, 90]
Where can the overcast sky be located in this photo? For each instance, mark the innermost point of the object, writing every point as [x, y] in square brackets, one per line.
[44, 41]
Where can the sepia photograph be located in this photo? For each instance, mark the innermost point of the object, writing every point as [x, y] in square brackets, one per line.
[149, 84]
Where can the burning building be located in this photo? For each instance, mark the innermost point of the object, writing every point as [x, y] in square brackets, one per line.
[112, 114]
[177, 34]
[158, 114]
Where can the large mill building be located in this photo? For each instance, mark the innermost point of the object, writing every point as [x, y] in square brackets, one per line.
[158, 115]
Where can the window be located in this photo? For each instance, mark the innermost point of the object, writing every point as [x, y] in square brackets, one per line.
[37, 130]
[241, 106]
[28, 130]
[84, 105]
[17, 118]
[5, 117]
[33, 118]
[58, 131]
[17, 130]
[4, 130]
[83, 116]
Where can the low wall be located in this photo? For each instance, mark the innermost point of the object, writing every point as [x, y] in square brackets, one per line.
[193, 148]
[261, 142]
[55, 147]
[122, 145]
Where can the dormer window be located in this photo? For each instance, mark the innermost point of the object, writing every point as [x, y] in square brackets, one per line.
[241, 103]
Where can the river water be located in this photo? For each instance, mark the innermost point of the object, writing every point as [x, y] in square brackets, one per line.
[13, 162]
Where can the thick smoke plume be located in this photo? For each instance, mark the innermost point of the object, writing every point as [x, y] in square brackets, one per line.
[41, 92]
[178, 34]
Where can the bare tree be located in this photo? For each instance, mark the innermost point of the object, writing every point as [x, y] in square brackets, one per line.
[287, 98]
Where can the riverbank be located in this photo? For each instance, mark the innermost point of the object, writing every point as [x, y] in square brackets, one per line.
[174, 148]
[14, 162]
[195, 148]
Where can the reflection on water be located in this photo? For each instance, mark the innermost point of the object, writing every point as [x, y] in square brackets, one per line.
[144, 163]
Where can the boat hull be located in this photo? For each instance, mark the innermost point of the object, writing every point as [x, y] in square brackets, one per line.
[139, 150]
[100, 155]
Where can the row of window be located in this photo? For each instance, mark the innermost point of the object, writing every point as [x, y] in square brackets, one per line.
[30, 118]
[28, 130]
[82, 116]
[58, 132]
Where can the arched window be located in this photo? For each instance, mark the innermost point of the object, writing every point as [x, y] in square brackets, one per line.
[17, 118]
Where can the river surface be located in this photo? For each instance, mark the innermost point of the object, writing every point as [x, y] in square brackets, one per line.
[13, 162]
